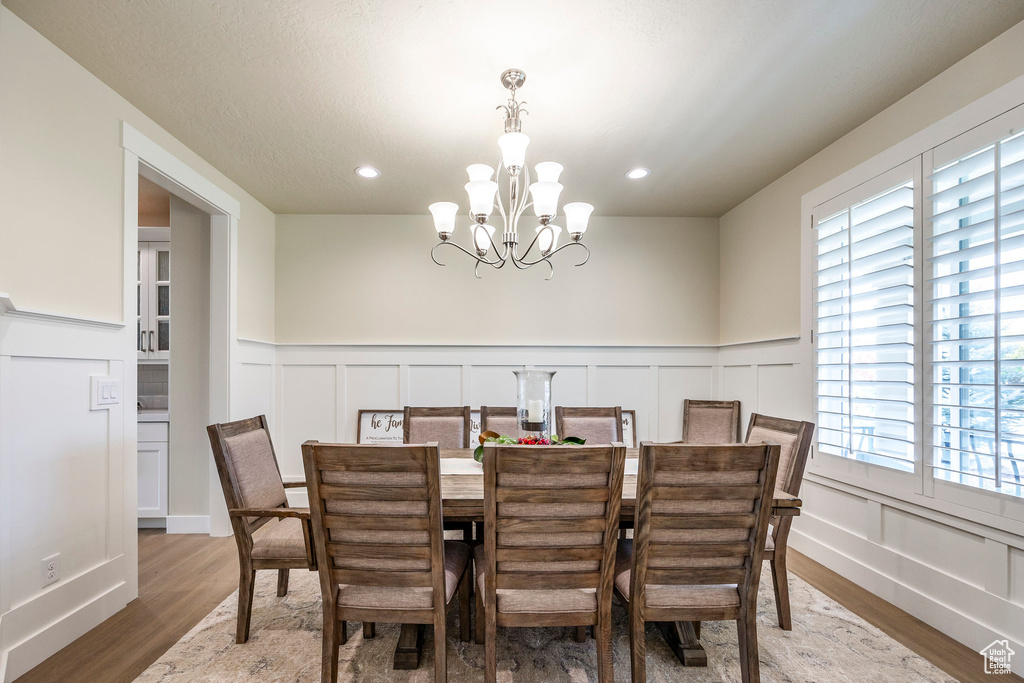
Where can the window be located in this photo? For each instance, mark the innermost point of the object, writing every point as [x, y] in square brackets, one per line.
[974, 317]
[864, 318]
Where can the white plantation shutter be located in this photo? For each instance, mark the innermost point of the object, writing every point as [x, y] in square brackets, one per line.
[864, 316]
[975, 318]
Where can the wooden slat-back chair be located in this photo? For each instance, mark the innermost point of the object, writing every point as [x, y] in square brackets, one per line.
[449, 428]
[696, 554]
[254, 493]
[503, 420]
[596, 425]
[376, 514]
[794, 439]
[550, 521]
[711, 421]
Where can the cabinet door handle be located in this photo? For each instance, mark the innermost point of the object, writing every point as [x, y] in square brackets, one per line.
[151, 341]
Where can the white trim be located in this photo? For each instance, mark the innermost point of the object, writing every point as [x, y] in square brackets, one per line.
[758, 341]
[8, 308]
[204, 194]
[188, 524]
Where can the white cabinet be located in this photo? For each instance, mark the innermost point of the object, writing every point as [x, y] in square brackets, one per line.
[153, 455]
[154, 301]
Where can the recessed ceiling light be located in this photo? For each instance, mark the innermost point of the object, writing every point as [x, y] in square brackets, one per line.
[367, 172]
[638, 173]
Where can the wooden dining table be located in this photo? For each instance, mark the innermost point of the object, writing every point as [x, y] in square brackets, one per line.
[462, 500]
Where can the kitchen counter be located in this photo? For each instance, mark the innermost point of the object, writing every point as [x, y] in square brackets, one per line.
[154, 415]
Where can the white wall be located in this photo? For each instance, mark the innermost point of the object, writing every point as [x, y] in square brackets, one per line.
[760, 238]
[370, 280]
[61, 129]
[189, 367]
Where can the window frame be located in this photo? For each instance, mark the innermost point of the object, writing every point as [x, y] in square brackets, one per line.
[920, 488]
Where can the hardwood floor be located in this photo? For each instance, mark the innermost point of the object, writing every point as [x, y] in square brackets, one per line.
[183, 577]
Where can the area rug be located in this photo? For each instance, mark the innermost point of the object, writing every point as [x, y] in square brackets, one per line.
[827, 643]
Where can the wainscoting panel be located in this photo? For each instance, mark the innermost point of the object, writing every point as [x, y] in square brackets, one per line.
[368, 387]
[778, 390]
[1016, 576]
[935, 544]
[435, 385]
[495, 385]
[674, 386]
[310, 412]
[568, 386]
[67, 482]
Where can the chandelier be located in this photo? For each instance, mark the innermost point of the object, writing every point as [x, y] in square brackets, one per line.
[484, 195]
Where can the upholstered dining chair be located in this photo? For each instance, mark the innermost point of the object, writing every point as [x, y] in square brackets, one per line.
[550, 521]
[255, 497]
[596, 425]
[696, 554]
[449, 428]
[794, 439]
[503, 420]
[711, 421]
[376, 514]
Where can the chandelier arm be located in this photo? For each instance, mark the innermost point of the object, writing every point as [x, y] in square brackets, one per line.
[495, 264]
[527, 264]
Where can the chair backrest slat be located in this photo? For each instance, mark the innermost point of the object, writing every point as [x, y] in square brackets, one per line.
[499, 419]
[596, 425]
[551, 515]
[711, 422]
[699, 522]
[448, 427]
[376, 514]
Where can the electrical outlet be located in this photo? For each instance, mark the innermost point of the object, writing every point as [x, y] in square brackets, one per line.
[51, 569]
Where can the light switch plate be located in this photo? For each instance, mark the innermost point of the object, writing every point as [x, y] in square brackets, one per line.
[104, 392]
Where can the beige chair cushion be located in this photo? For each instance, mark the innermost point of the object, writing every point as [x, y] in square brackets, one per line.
[710, 425]
[659, 596]
[787, 449]
[456, 557]
[536, 601]
[279, 540]
[252, 458]
[595, 430]
[448, 432]
[504, 425]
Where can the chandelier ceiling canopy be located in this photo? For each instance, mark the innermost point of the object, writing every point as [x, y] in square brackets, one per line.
[484, 194]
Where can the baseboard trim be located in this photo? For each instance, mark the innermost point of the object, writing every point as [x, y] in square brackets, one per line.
[36, 629]
[188, 524]
[152, 522]
[960, 627]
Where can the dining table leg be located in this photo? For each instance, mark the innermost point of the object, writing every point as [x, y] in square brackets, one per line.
[410, 644]
[682, 637]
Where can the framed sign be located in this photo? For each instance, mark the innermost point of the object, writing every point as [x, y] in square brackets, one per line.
[380, 426]
[474, 428]
[629, 428]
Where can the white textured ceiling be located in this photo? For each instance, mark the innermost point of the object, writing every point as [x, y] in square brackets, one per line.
[717, 97]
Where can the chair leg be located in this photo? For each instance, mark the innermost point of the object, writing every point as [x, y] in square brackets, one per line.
[490, 646]
[282, 583]
[464, 584]
[603, 635]
[329, 665]
[440, 647]
[246, 588]
[369, 630]
[780, 581]
[746, 627]
[342, 637]
[480, 621]
[581, 634]
[637, 647]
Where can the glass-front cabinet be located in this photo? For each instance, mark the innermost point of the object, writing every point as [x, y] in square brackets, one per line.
[154, 301]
